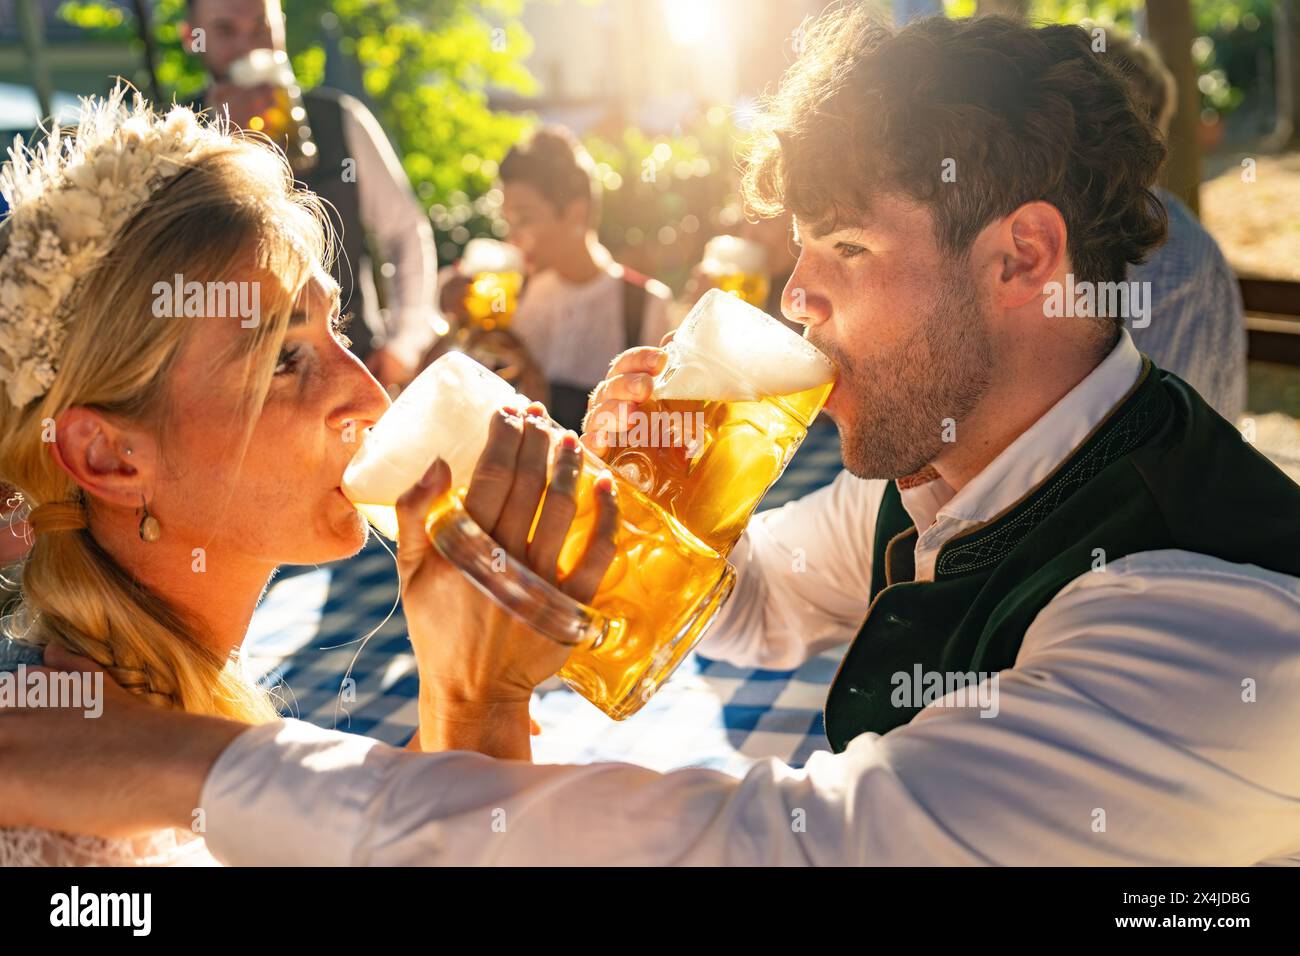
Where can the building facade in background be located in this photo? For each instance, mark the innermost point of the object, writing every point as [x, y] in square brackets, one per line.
[647, 63]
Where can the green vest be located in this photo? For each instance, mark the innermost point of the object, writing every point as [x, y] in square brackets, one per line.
[1163, 470]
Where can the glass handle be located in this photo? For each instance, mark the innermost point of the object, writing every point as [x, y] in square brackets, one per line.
[510, 584]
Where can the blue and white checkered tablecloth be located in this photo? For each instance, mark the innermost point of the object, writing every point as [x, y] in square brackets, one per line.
[333, 640]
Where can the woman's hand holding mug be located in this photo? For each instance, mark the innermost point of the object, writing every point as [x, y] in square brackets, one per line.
[479, 664]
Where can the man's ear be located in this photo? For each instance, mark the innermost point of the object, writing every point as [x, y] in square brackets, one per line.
[1028, 249]
[112, 463]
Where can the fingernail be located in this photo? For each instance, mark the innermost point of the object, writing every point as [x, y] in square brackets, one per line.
[428, 477]
[569, 441]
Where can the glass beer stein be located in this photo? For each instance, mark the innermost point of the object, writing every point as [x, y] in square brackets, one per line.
[657, 597]
[496, 273]
[737, 266]
[285, 121]
[728, 411]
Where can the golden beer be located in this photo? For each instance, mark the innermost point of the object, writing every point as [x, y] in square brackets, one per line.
[751, 287]
[657, 597]
[285, 122]
[738, 266]
[492, 297]
[712, 439]
[496, 273]
[713, 489]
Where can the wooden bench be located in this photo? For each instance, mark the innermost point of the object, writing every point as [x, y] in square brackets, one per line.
[1272, 319]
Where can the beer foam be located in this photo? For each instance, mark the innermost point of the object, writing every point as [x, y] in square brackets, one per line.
[445, 412]
[728, 351]
[490, 255]
[726, 255]
[262, 66]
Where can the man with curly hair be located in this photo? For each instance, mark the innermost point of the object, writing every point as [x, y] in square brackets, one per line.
[1072, 591]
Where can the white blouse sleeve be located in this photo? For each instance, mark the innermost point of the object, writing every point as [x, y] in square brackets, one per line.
[401, 231]
[1121, 736]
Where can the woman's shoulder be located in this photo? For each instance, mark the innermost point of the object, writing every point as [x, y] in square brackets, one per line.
[14, 652]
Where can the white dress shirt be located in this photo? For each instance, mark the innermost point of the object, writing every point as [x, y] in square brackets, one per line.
[574, 330]
[1150, 718]
[394, 219]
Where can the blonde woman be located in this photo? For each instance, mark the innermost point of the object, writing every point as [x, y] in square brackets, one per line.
[171, 451]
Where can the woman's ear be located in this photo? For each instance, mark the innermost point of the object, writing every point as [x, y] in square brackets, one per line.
[112, 463]
[1030, 249]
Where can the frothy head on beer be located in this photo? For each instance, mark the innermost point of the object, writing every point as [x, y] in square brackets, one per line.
[490, 255]
[727, 350]
[732, 255]
[262, 67]
[444, 413]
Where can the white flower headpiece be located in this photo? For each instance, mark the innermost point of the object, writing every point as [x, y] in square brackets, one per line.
[68, 199]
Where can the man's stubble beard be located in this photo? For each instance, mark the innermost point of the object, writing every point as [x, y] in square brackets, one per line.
[904, 401]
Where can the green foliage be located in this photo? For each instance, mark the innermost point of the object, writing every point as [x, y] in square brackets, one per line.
[664, 196]
[425, 66]
[1227, 15]
[1209, 15]
[1106, 12]
[98, 18]
[1229, 35]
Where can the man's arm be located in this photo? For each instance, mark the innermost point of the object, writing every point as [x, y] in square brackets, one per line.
[803, 578]
[67, 769]
[1120, 737]
[1150, 719]
[397, 223]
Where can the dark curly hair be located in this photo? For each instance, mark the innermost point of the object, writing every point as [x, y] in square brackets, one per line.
[1024, 113]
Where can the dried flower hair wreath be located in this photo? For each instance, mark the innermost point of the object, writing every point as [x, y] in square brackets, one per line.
[68, 199]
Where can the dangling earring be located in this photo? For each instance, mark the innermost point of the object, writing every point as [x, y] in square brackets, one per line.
[150, 529]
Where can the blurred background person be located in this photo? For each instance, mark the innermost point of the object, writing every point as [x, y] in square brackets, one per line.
[369, 195]
[482, 294]
[579, 308]
[1197, 324]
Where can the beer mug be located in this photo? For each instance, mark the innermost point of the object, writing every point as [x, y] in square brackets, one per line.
[660, 592]
[496, 273]
[727, 413]
[285, 122]
[737, 266]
